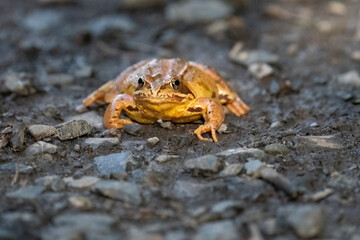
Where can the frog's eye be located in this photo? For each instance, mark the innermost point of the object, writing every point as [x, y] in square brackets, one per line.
[175, 84]
[140, 83]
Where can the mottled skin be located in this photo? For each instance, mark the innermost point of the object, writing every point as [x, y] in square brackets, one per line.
[171, 90]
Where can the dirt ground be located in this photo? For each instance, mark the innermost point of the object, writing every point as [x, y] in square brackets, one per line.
[289, 169]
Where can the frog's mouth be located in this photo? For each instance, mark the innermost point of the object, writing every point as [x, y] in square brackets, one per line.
[163, 98]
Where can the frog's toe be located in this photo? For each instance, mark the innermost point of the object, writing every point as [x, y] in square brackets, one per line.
[116, 122]
[204, 129]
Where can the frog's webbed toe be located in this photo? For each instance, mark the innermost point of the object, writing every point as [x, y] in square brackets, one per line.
[113, 111]
[238, 107]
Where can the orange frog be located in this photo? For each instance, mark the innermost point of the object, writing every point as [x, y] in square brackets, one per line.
[171, 90]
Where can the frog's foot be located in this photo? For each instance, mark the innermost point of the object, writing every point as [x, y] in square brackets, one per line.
[238, 107]
[112, 113]
[213, 113]
[105, 93]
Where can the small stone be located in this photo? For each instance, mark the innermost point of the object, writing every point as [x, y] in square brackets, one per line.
[152, 141]
[80, 202]
[307, 221]
[18, 137]
[20, 83]
[249, 57]
[113, 164]
[243, 152]
[72, 129]
[274, 88]
[166, 157]
[42, 20]
[95, 143]
[6, 130]
[88, 222]
[227, 208]
[278, 181]
[314, 124]
[84, 182]
[253, 167]
[133, 145]
[343, 182]
[41, 147]
[346, 96]
[11, 167]
[60, 79]
[321, 194]
[337, 8]
[55, 183]
[111, 24]
[92, 117]
[134, 129]
[351, 78]
[84, 72]
[317, 142]
[39, 131]
[222, 128]
[50, 110]
[27, 193]
[81, 109]
[277, 149]
[195, 11]
[232, 170]
[277, 124]
[77, 148]
[261, 70]
[141, 4]
[207, 163]
[119, 190]
[224, 230]
[189, 189]
[356, 55]
[166, 125]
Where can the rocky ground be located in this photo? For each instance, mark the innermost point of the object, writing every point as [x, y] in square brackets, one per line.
[287, 170]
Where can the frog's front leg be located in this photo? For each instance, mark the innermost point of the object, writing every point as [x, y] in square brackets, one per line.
[112, 113]
[213, 114]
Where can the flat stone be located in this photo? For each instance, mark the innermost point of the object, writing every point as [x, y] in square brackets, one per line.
[72, 129]
[243, 152]
[41, 147]
[166, 157]
[27, 193]
[195, 11]
[253, 167]
[40, 131]
[60, 79]
[55, 183]
[134, 129]
[80, 202]
[189, 189]
[152, 141]
[224, 230]
[278, 181]
[11, 167]
[232, 170]
[277, 149]
[84, 182]
[350, 78]
[207, 163]
[95, 143]
[227, 208]
[110, 24]
[20, 83]
[42, 20]
[113, 164]
[261, 70]
[18, 137]
[249, 57]
[318, 142]
[119, 190]
[92, 118]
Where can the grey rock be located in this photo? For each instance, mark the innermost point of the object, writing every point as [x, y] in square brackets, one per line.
[253, 167]
[18, 137]
[243, 152]
[92, 117]
[277, 124]
[20, 218]
[41, 147]
[80, 202]
[195, 11]
[11, 167]
[152, 141]
[222, 230]
[272, 227]
[20, 83]
[60, 79]
[207, 163]
[227, 208]
[133, 145]
[119, 190]
[307, 221]
[84, 182]
[133, 129]
[350, 78]
[6, 130]
[73, 129]
[84, 72]
[141, 4]
[166, 157]
[113, 164]
[278, 181]
[39, 131]
[53, 182]
[232, 170]
[249, 57]
[260, 70]
[189, 189]
[276, 149]
[317, 142]
[85, 221]
[340, 181]
[95, 143]
[274, 87]
[27, 193]
[110, 24]
[42, 20]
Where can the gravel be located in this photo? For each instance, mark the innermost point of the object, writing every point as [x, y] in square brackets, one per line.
[206, 164]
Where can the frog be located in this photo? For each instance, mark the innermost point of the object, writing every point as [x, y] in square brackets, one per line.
[173, 90]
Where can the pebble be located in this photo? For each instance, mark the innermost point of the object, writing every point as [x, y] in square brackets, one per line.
[39, 131]
[274, 88]
[43, 20]
[189, 189]
[232, 170]
[166, 124]
[141, 4]
[166, 157]
[152, 141]
[350, 78]
[27, 193]
[195, 11]
[84, 72]
[224, 230]
[261, 70]
[80, 202]
[114, 164]
[337, 8]
[249, 57]
[253, 167]
[41, 147]
[110, 24]
[277, 124]
[206, 164]
[277, 149]
[342, 182]
[95, 143]
[72, 129]
[317, 142]
[54, 182]
[18, 137]
[20, 83]
[278, 181]
[307, 220]
[11, 167]
[60, 79]
[243, 152]
[356, 55]
[318, 196]
[6, 130]
[85, 221]
[119, 190]
[134, 129]
[133, 145]
[227, 208]
[92, 118]
[84, 182]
